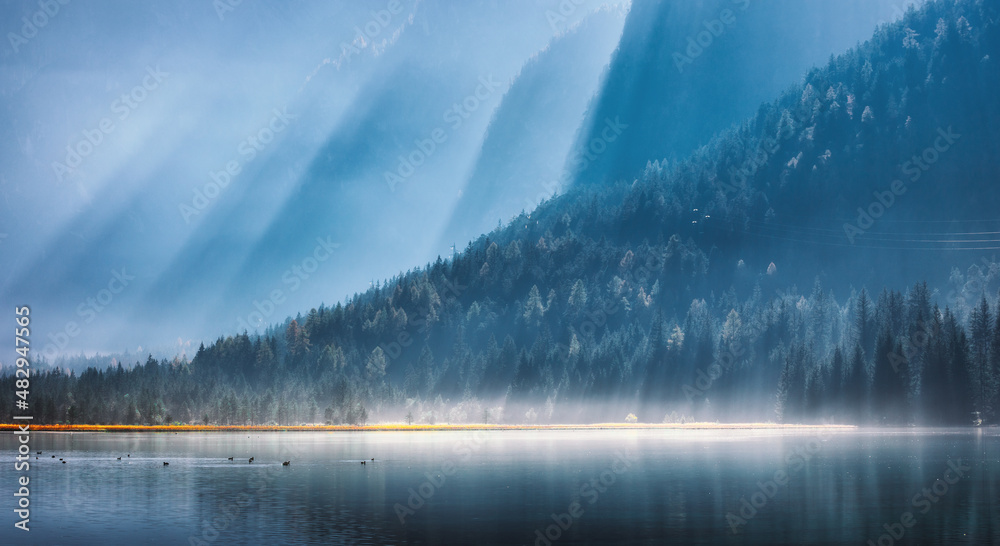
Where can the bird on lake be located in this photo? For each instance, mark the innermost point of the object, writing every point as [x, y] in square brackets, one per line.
[39, 453]
[119, 458]
[362, 462]
[166, 463]
[251, 460]
[64, 462]
[286, 463]
[230, 458]
[53, 456]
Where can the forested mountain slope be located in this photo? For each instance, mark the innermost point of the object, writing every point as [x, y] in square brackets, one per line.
[674, 295]
[683, 71]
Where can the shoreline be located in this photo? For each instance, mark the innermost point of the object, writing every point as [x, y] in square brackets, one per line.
[399, 427]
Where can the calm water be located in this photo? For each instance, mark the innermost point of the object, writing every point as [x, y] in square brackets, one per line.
[624, 487]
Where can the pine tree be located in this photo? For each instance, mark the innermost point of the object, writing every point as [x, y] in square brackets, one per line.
[819, 323]
[994, 385]
[936, 382]
[856, 385]
[864, 325]
[886, 380]
[835, 386]
[790, 404]
[961, 392]
[980, 334]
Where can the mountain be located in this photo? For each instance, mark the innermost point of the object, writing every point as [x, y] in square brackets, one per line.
[683, 71]
[527, 140]
[666, 103]
[675, 296]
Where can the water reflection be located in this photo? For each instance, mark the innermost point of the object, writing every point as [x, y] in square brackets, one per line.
[517, 487]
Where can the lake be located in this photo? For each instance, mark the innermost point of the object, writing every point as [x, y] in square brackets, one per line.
[889, 486]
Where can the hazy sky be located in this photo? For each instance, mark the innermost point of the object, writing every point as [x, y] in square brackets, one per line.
[175, 171]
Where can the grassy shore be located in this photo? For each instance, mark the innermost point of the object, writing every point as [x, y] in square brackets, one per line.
[395, 427]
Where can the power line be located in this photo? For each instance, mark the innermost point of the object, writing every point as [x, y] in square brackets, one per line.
[899, 233]
[874, 247]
